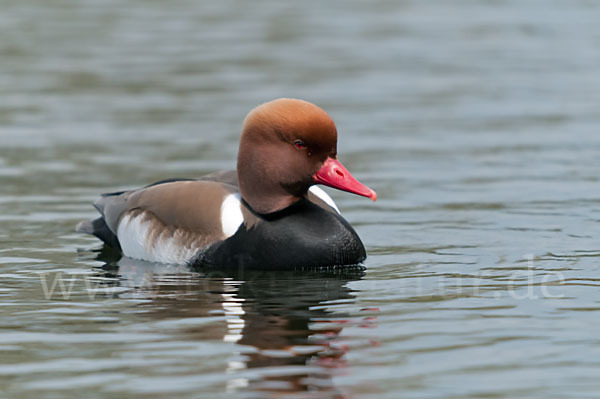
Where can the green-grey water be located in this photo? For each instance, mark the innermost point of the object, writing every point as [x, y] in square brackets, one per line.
[476, 122]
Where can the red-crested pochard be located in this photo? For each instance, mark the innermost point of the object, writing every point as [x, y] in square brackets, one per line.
[268, 214]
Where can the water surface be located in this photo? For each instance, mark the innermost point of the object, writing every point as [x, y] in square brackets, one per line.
[476, 122]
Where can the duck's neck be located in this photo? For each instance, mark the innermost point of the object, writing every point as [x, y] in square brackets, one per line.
[271, 205]
[259, 188]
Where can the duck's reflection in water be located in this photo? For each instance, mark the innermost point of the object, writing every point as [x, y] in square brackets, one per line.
[288, 336]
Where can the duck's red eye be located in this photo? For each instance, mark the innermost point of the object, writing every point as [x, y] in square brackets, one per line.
[299, 144]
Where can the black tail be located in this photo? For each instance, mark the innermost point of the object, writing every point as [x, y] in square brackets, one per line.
[99, 228]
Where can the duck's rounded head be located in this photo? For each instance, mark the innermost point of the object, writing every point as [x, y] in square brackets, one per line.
[286, 146]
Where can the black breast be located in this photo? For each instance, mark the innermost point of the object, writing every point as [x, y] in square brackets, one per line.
[301, 236]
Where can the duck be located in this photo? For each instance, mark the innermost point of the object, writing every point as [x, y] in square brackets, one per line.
[268, 214]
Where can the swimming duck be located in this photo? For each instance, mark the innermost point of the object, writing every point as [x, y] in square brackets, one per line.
[268, 214]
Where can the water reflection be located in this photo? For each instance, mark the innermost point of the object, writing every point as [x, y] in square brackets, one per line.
[286, 333]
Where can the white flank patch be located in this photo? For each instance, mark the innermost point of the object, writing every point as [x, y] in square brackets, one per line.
[324, 197]
[231, 214]
[133, 237]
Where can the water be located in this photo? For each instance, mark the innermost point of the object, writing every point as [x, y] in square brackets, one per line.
[476, 122]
